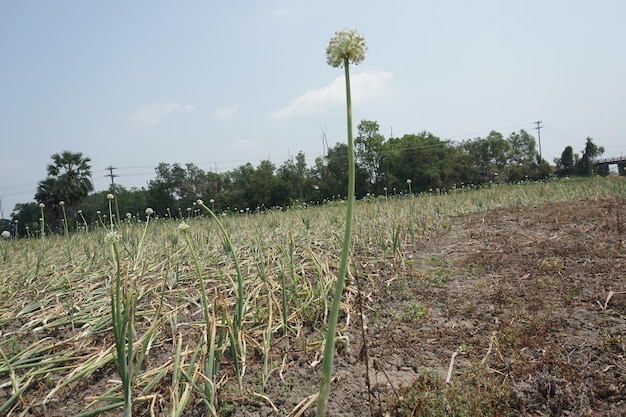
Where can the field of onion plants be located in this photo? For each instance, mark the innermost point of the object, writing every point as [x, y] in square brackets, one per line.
[226, 315]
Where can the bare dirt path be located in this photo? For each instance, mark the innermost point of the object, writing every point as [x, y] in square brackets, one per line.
[530, 301]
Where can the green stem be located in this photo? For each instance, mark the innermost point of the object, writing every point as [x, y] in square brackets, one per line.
[67, 234]
[122, 330]
[143, 237]
[329, 347]
[239, 302]
[209, 359]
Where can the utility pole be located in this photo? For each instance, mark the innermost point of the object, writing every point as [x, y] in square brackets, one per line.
[539, 127]
[117, 210]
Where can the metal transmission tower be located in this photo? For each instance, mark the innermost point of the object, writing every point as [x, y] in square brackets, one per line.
[117, 210]
[539, 127]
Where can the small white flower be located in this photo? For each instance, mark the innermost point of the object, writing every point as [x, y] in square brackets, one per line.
[199, 202]
[149, 211]
[110, 197]
[62, 203]
[183, 227]
[6, 234]
[408, 181]
[42, 205]
[211, 201]
[112, 237]
[128, 215]
[347, 45]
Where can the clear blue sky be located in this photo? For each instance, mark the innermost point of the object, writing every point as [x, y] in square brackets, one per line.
[135, 83]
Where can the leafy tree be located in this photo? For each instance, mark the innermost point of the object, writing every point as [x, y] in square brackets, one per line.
[489, 156]
[294, 180]
[178, 187]
[567, 162]
[69, 180]
[586, 164]
[133, 201]
[251, 188]
[425, 159]
[331, 174]
[522, 148]
[262, 190]
[524, 161]
[368, 148]
[28, 215]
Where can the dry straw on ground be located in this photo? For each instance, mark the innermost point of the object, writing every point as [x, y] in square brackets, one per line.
[523, 284]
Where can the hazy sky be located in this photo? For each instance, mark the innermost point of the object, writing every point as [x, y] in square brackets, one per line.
[221, 83]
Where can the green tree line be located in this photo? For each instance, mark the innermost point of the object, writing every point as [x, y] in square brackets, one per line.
[383, 166]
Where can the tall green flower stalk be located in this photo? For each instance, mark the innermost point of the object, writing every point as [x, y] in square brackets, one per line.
[67, 232]
[123, 306]
[345, 47]
[42, 221]
[239, 307]
[209, 319]
[149, 213]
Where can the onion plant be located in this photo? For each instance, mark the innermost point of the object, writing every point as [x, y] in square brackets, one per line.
[345, 47]
[67, 233]
[209, 319]
[123, 316]
[239, 306]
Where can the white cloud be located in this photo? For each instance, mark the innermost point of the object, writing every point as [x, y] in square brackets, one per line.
[153, 113]
[365, 87]
[226, 113]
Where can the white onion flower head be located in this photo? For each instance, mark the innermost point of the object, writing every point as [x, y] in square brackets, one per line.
[110, 196]
[62, 203]
[199, 202]
[183, 227]
[42, 205]
[6, 234]
[149, 211]
[112, 237]
[408, 181]
[347, 45]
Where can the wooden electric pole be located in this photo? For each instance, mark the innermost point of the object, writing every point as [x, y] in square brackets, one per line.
[539, 127]
[117, 210]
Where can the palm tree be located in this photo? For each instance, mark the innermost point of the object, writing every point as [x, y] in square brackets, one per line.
[69, 179]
